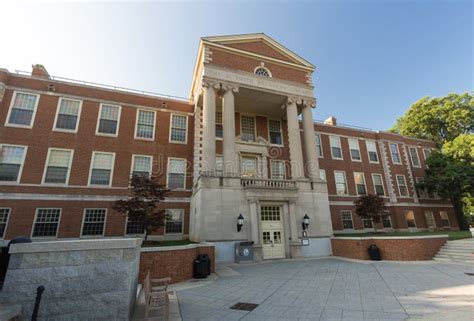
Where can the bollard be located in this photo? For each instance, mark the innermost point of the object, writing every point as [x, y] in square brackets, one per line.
[39, 292]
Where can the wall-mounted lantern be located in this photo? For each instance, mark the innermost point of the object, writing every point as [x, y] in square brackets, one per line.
[240, 222]
[305, 222]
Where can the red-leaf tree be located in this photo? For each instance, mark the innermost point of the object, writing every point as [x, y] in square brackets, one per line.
[371, 207]
[141, 206]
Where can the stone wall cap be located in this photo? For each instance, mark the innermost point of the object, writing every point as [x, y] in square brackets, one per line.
[389, 237]
[175, 248]
[75, 245]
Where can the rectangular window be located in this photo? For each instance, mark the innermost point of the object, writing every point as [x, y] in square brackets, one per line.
[341, 183]
[46, 222]
[322, 174]
[278, 169]
[134, 227]
[179, 125]
[410, 219]
[12, 158]
[346, 217]
[359, 179]
[274, 129]
[219, 165]
[94, 222]
[142, 165]
[354, 149]
[372, 151]
[248, 128]
[145, 127]
[415, 160]
[336, 151]
[368, 224]
[387, 222]
[58, 166]
[248, 166]
[176, 173]
[426, 153]
[444, 219]
[395, 153]
[422, 192]
[174, 224]
[378, 184]
[429, 218]
[67, 115]
[102, 166]
[319, 147]
[4, 215]
[22, 110]
[109, 118]
[219, 128]
[402, 186]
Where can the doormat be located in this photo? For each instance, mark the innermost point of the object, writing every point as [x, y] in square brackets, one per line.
[470, 274]
[244, 306]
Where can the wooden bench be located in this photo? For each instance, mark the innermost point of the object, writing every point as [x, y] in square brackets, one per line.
[156, 295]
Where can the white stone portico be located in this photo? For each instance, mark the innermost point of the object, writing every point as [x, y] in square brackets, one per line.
[273, 209]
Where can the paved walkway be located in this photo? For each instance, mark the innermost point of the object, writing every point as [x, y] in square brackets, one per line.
[333, 289]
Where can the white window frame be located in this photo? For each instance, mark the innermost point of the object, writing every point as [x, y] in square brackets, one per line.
[7, 120]
[57, 115]
[410, 148]
[221, 124]
[398, 185]
[254, 127]
[342, 220]
[168, 172]
[432, 217]
[182, 222]
[281, 132]
[69, 167]
[8, 220]
[368, 228]
[391, 154]
[422, 193]
[139, 155]
[36, 216]
[118, 121]
[424, 152]
[111, 170]
[84, 219]
[171, 129]
[320, 144]
[391, 223]
[262, 67]
[271, 167]
[373, 183]
[365, 183]
[242, 156]
[441, 219]
[20, 171]
[345, 181]
[376, 152]
[131, 234]
[414, 219]
[358, 148]
[136, 124]
[321, 176]
[340, 147]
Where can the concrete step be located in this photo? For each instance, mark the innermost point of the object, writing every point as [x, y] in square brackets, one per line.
[442, 259]
[467, 247]
[455, 257]
[462, 251]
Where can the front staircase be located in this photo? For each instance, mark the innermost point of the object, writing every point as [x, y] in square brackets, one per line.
[461, 251]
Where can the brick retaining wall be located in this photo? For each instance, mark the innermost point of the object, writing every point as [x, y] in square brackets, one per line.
[417, 248]
[173, 261]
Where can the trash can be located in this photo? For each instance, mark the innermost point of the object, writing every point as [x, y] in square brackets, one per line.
[5, 256]
[374, 253]
[202, 266]
[243, 252]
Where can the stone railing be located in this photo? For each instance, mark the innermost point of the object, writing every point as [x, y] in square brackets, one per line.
[267, 183]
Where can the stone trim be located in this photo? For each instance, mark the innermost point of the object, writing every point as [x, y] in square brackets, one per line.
[389, 237]
[174, 248]
[79, 197]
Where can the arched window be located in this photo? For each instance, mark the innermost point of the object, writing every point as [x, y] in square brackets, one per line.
[262, 71]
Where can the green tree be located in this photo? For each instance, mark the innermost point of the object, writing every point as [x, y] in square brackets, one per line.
[438, 119]
[371, 207]
[451, 179]
[461, 148]
[141, 206]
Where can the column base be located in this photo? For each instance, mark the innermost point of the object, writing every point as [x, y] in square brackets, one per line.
[257, 253]
[296, 250]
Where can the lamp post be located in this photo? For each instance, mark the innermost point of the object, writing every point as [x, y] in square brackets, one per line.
[240, 222]
[305, 221]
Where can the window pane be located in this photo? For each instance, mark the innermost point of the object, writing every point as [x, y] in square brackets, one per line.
[110, 112]
[219, 165]
[341, 186]
[21, 117]
[141, 165]
[354, 149]
[47, 221]
[11, 158]
[368, 224]
[410, 219]
[107, 126]
[360, 183]
[414, 157]
[134, 227]
[248, 166]
[430, 222]
[278, 170]
[59, 158]
[25, 101]
[109, 119]
[335, 147]
[94, 222]
[248, 128]
[56, 174]
[100, 177]
[103, 161]
[346, 217]
[395, 155]
[9, 172]
[444, 218]
[4, 213]
[219, 130]
[319, 148]
[378, 184]
[176, 173]
[402, 185]
[66, 122]
[275, 132]
[387, 222]
[175, 223]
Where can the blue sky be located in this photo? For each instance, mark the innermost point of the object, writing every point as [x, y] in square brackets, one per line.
[373, 58]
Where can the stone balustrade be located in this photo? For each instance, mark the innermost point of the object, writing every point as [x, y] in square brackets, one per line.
[267, 183]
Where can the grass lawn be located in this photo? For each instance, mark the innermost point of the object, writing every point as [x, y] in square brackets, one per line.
[166, 243]
[453, 235]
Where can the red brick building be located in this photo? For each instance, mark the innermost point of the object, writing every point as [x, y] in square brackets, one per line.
[68, 150]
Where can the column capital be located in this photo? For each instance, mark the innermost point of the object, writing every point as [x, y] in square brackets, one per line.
[211, 84]
[310, 103]
[229, 87]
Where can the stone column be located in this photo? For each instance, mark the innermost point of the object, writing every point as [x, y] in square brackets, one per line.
[312, 164]
[254, 223]
[293, 222]
[294, 139]
[228, 124]
[209, 129]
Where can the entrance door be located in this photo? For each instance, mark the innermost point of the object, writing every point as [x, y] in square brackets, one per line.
[273, 241]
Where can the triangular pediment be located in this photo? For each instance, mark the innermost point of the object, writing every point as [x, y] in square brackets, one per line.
[260, 44]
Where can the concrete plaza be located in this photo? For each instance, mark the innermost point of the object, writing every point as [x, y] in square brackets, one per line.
[334, 289]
